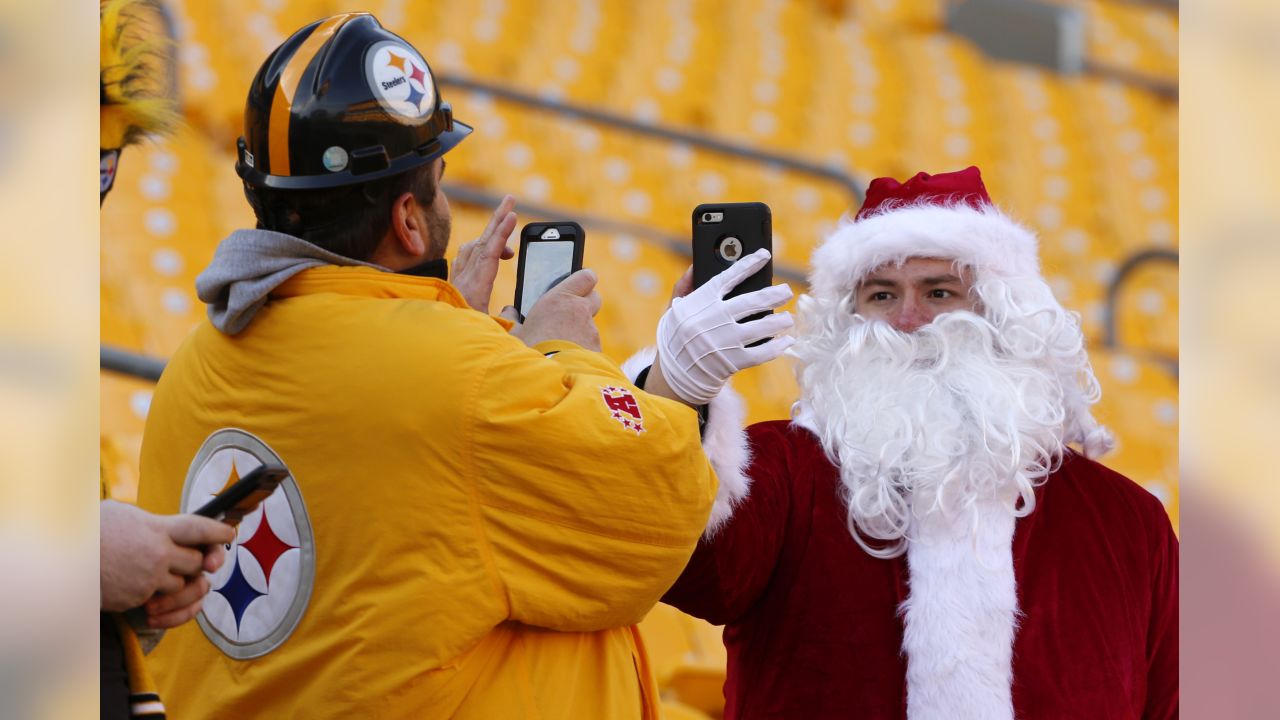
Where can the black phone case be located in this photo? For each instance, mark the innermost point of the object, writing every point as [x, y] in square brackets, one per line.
[752, 224]
[532, 233]
[245, 496]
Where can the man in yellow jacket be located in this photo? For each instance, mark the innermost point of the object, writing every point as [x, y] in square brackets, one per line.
[477, 513]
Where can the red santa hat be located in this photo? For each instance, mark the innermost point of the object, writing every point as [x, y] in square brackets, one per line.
[949, 215]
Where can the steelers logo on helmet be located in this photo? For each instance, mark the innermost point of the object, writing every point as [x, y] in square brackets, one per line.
[260, 593]
[108, 163]
[401, 80]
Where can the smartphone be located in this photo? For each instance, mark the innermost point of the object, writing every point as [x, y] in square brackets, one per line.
[723, 234]
[549, 253]
[232, 504]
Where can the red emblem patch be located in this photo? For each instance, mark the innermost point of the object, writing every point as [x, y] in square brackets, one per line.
[622, 406]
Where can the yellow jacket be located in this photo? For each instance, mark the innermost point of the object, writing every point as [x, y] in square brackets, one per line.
[485, 524]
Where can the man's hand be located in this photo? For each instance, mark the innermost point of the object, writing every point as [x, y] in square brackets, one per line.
[477, 263]
[701, 344]
[143, 554]
[564, 312]
[170, 611]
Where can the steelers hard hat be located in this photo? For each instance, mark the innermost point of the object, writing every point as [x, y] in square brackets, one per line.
[341, 102]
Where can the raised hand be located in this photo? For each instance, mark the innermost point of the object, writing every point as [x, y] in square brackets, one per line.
[476, 266]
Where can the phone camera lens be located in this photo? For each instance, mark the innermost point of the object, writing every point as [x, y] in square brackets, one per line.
[706, 217]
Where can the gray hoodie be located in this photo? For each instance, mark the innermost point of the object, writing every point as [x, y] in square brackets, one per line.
[248, 265]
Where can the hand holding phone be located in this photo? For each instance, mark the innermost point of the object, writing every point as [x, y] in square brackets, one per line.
[726, 323]
[549, 253]
[566, 312]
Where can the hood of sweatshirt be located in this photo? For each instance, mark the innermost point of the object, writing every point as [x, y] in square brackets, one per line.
[248, 265]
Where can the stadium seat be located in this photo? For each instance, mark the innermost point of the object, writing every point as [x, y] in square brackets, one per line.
[688, 659]
[1134, 149]
[908, 14]
[1134, 37]
[1140, 403]
[674, 710]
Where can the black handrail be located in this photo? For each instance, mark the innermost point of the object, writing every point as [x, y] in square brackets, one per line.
[127, 362]
[1165, 89]
[851, 184]
[1110, 333]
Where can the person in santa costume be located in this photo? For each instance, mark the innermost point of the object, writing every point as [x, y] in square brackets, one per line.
[930, 536]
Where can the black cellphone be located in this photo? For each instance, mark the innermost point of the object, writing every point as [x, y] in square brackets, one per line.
[232, 504]
[724, 233]
[549, 253]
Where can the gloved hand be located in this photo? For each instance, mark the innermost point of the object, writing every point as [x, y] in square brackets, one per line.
[700, 342]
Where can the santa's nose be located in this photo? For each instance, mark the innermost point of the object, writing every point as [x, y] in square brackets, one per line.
[911, 316]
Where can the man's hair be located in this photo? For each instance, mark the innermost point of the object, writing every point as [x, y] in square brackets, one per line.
[350, 221]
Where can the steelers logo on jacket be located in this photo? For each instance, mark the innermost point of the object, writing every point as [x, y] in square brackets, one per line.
[260, 593]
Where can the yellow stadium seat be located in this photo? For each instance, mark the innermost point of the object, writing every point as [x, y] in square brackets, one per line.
[1133, 37]
[124, 403]
[901, 14]
[172, 202]
[636, 277]
[1140, 404]
[688, 659]
[674, 710]
[1135, 155]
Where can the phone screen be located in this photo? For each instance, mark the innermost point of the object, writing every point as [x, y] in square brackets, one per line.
[546, 263]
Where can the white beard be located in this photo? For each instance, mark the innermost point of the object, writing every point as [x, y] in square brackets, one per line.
[956, 415]
[941, 436]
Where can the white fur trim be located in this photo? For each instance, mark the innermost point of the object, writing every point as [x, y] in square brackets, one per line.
[724, 440]
[986, 239]
[643, 358]
[961, 617]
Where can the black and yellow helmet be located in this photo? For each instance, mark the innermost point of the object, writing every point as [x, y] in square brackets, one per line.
[342, 102]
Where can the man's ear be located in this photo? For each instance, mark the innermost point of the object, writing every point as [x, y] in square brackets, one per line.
[407, 225]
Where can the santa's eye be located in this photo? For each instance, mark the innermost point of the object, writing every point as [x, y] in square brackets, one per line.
[940, 294]
[880, 296]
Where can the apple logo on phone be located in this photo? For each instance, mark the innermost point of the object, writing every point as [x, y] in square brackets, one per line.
[730, 249]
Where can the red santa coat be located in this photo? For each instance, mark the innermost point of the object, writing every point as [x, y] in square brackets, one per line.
[812, 622]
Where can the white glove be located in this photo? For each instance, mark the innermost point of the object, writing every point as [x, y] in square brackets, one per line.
[700, 341]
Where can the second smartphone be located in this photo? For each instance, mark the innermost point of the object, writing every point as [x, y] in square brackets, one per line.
[723, 234]
[549, 253]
